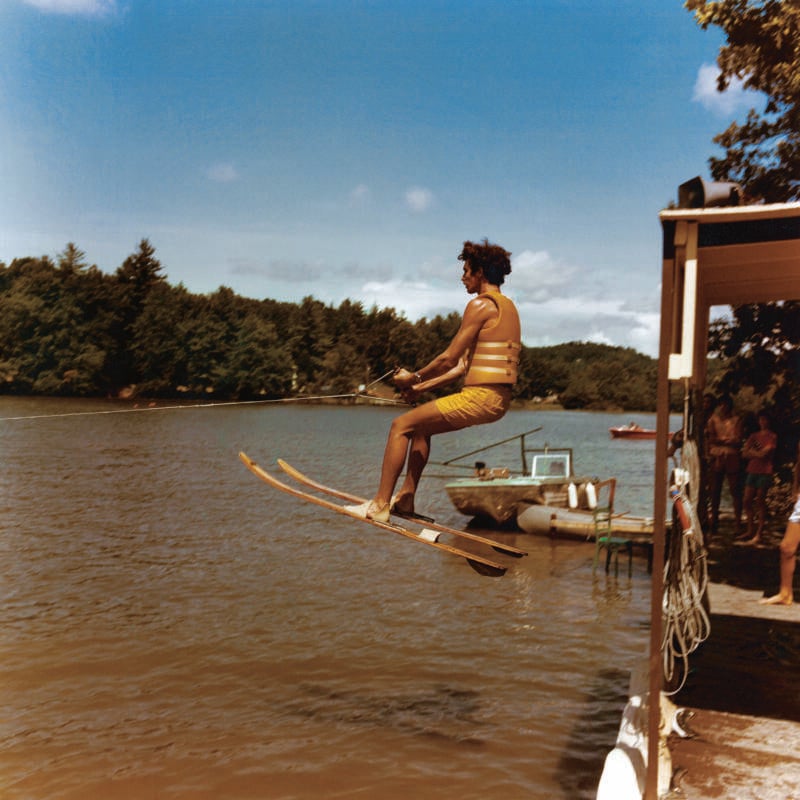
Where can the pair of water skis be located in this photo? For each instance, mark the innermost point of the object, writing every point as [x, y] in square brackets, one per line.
[429, 535]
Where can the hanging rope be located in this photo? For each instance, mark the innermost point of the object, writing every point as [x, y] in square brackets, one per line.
[686, 624]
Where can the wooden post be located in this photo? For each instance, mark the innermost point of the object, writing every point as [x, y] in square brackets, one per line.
[671, 284]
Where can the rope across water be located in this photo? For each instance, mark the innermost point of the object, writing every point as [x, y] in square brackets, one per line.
[183, 406]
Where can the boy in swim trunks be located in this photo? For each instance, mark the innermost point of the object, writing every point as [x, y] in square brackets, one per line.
[759, 450]
[485, 351]
[724, 437]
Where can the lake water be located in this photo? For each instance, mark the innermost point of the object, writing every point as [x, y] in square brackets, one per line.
[173, 628]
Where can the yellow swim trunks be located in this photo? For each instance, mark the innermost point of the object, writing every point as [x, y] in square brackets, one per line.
[475, 405]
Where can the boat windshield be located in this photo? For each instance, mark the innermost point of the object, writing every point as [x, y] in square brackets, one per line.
[551, 465]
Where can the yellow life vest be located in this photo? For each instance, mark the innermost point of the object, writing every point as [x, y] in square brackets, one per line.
[495, 357]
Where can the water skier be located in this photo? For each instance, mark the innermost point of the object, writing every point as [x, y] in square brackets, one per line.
[485, 350]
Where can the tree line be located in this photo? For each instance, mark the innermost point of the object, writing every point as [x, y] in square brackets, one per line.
[758, 348]
[70, 329]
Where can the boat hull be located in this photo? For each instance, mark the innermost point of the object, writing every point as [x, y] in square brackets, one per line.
[500, 498]
[632, 433]
[577, 523]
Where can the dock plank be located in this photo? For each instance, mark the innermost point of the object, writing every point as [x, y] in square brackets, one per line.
[742, 690]
[736, 757]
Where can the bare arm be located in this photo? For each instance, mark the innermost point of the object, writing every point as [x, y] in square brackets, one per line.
[412, 389]
[451, 363]
[769, 449]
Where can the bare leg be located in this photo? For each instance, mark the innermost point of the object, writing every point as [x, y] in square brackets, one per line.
[733, 485]
[717, 480]
[789, 545]
[409, 436]
[761, 505]
[418, 454]
[749, 492]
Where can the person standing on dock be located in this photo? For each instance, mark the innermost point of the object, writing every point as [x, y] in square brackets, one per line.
[485, 350]
[759, 451]
[789, 545]
[724, 436]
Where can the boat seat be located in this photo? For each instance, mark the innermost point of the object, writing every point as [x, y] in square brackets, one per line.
[604, 538]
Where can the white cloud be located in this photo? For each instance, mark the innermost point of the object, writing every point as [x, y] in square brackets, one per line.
[223, 173]
[415, 299]
[722, 103]
[644, 335]
[88, 7]
[536, 276]
[584, 318]
[419, 199]
[574, 315]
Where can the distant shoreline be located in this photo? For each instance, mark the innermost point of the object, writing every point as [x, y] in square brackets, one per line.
[355, 398]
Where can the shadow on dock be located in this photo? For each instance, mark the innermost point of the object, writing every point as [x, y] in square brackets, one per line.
[748, 665]
[751, 660]
[742, 684]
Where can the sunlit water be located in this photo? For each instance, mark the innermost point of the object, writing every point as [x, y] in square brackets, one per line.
[173, 628]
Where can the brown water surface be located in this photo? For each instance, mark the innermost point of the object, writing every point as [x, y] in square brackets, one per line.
[173, 628]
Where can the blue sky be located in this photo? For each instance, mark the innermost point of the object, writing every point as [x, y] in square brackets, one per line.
[346, 149]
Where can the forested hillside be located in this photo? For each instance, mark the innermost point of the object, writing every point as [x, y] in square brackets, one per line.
[67, 328]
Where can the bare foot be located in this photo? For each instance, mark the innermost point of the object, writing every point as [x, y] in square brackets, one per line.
[776, 600]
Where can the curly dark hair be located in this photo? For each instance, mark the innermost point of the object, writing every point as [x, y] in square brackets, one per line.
[493, 260]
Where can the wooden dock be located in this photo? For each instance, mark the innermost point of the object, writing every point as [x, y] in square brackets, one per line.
[743, 688]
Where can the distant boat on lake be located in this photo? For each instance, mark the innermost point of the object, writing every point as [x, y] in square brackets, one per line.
[632, 431]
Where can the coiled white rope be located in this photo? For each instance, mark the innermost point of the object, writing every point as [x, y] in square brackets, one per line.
[686, 623]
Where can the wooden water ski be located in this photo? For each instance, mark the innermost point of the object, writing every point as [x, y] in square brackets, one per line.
[480, 564]
[295, 473]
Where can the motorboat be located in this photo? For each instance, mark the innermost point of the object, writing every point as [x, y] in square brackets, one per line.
[497, 495]
[632, 431]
